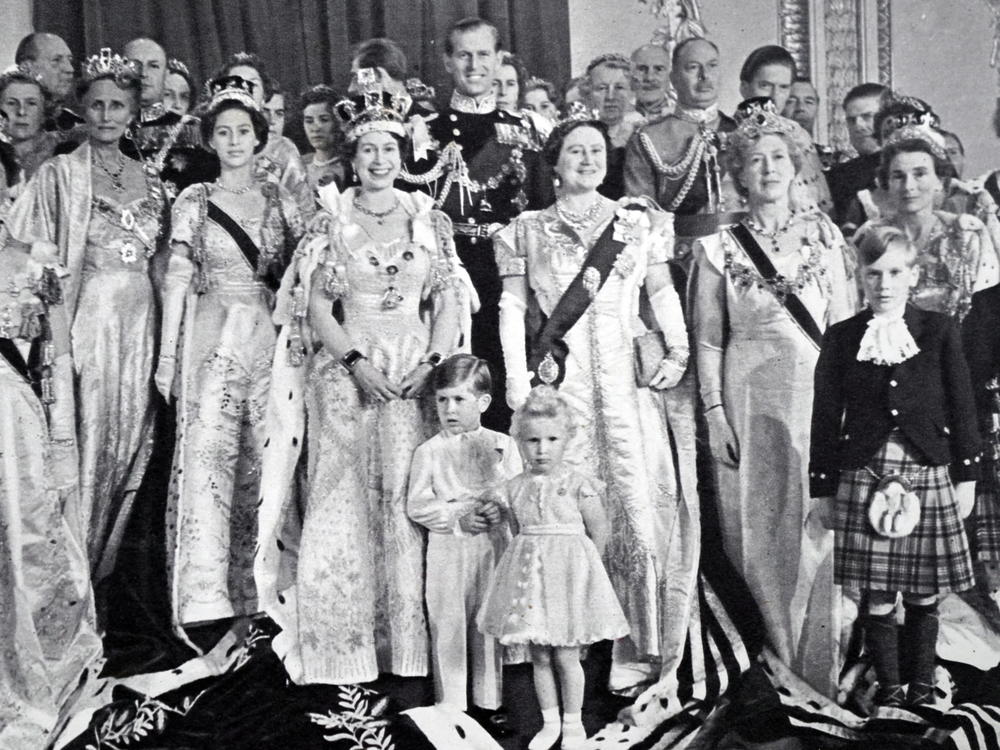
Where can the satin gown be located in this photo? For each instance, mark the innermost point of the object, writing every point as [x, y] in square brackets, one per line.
[622, 439]
[767, 390]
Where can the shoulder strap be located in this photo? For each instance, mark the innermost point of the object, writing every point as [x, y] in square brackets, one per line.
[795, 307]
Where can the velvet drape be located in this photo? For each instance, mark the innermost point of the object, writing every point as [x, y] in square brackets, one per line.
[304, 42]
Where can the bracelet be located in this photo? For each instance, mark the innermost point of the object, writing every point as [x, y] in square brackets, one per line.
[431, 358]
[351, 358]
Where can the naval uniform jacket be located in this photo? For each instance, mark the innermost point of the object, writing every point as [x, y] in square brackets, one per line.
[857, 404]
[497, 148]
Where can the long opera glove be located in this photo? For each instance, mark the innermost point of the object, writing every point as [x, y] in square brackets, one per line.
[180, 270]
[515, 354]
[666, 308]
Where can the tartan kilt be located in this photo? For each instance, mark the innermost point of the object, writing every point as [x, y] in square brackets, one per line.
[983, 524]
[933, 559]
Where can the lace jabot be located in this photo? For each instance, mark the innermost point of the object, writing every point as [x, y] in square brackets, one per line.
[887, 340]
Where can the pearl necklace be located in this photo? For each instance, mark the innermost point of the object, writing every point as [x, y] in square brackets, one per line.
[773, 236]
[579, 220]
[379, 216]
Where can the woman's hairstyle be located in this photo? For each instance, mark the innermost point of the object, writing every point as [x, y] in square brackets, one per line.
[520, 71]
[543, 402]
[19, 74]
[534, 84]
[111, 67]
[915, 144]
[875, 238]
[757, 120]
[554, 143]
[231, 92]
[770, 54]
[249, 60]
[382, 53]
[464, 368]
[321, 94]
[178, 67]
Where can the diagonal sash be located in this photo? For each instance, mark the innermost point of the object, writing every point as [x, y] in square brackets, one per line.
[548, 354]
[246, 245]
[792, 304]
[10, 352]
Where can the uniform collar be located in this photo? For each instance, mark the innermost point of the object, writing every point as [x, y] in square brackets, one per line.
[467, 105]
[153, 112]
[696, 115]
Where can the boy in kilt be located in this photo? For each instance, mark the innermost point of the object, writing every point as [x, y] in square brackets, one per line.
[894, 456]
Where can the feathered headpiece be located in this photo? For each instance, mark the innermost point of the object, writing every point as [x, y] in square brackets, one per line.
[373, 110]
[106, 64]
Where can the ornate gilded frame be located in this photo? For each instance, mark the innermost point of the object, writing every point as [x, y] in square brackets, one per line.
[837, 44]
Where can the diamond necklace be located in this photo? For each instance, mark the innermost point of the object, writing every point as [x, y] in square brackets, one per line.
[235, 191]
[116, 177]
[379, 216]
[773, 236]
[582, 219]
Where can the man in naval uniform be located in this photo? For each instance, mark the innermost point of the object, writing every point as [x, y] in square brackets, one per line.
[676, 160]
[484, 171]
[168, 140]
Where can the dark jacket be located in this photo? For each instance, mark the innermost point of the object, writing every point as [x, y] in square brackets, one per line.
[981, 342]
[857, 404]
[845, 180]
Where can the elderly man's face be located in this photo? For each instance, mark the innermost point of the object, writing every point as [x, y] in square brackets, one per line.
[650, 73]
[53, 64]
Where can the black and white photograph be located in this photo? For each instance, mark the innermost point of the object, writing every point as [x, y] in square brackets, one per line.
[499, 374]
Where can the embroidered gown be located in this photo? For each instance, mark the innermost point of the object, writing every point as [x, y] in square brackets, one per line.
[357, 606]
[228, 343]
[622, 438]
[766, 389]
[46, 604]
[106, 247]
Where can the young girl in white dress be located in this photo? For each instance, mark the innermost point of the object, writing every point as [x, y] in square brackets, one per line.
[550, 589]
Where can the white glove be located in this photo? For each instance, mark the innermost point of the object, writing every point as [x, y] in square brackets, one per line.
[180, 270]
[515, 355]
[666, 307]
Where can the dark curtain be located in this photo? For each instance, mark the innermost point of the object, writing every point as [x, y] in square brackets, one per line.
[304, 42]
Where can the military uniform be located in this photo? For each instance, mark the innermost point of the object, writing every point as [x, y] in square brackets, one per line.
[691, 187]
[173, 143]
[485, 170]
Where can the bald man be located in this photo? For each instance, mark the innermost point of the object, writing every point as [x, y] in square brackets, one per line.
[151, 60]
[165, 137]
[48, 57]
